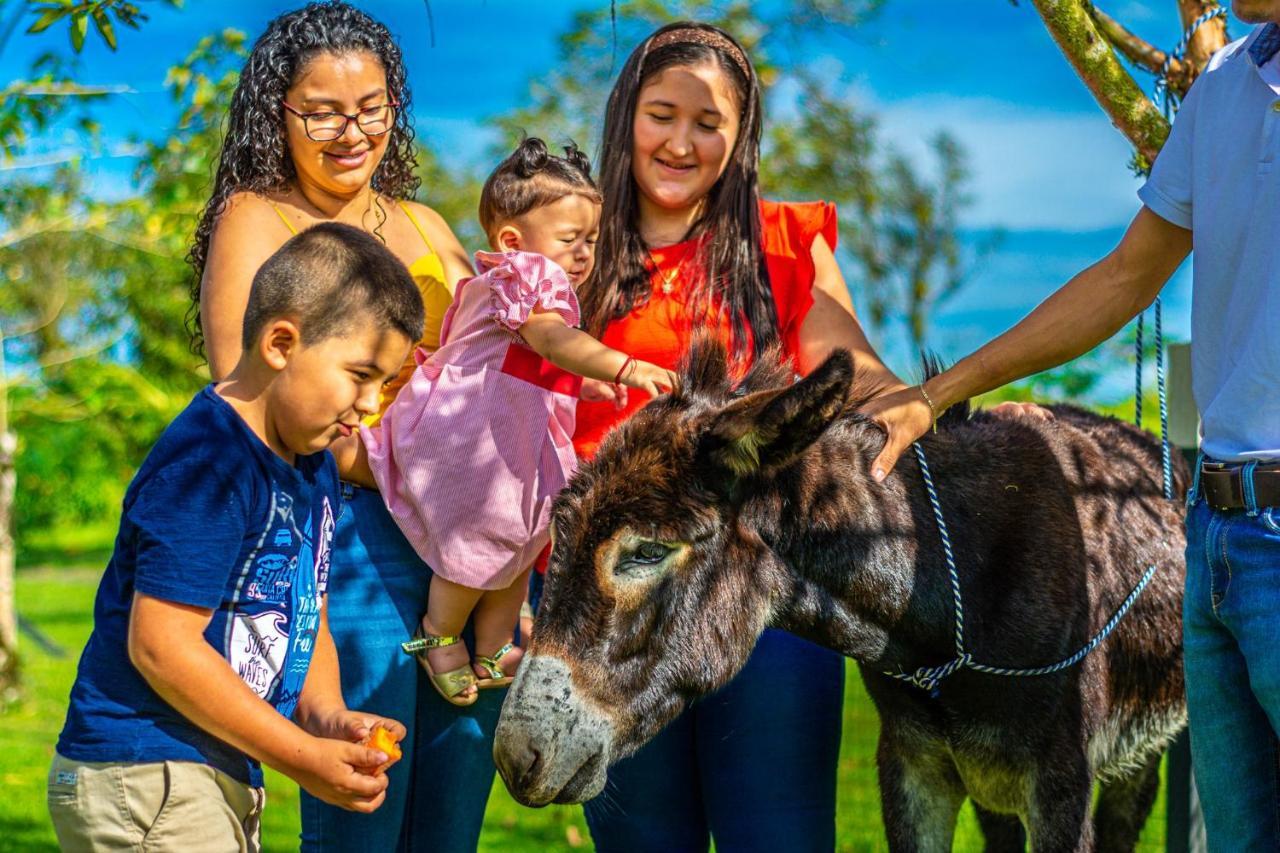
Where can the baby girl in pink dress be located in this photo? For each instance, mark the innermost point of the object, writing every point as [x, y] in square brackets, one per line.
[477, 445]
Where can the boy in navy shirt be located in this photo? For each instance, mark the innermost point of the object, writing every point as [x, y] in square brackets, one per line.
[210, 649]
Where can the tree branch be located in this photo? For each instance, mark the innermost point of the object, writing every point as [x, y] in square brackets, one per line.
[1136, 49]
[1130, 110]
[66, 89]
[1208, 40]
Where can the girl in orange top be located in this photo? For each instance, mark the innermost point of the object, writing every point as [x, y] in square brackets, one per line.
[686, 244]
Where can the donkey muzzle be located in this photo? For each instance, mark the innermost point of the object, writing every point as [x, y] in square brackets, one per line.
[550, 746]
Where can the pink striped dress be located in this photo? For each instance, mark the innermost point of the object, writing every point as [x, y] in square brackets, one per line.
[477, 445]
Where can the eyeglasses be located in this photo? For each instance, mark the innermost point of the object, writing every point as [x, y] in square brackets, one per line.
[328, 126]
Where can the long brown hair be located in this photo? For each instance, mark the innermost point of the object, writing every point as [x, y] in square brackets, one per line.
[731, 257]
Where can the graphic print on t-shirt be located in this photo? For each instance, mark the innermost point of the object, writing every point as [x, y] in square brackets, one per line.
[272, 627]
[257, 649]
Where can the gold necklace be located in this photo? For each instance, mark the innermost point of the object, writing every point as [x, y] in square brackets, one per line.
[668, 279]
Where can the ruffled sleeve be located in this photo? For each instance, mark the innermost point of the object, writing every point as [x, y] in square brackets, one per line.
[521, 283]
[789, 230]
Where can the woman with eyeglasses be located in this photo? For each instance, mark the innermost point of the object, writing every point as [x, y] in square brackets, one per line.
[319, 131]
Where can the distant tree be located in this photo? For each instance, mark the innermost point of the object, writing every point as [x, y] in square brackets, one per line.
[84, 371]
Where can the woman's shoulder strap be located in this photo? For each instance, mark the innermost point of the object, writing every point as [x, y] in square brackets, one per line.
[283, 218]
[422, 232]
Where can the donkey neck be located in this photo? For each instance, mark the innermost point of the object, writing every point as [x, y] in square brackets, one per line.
[859, 567]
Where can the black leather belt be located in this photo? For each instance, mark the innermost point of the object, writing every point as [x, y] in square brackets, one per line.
[1222, 485]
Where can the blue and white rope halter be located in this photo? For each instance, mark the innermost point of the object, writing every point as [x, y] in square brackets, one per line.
[929, 677]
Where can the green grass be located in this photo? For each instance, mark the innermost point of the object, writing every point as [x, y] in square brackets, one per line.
[59, 603]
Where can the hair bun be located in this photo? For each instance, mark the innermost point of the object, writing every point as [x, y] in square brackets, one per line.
[573, 154]
[530, 157]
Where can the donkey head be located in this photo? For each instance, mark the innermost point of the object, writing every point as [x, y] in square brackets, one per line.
[657, 586]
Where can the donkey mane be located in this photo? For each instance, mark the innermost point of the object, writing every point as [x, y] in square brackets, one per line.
[706, 371]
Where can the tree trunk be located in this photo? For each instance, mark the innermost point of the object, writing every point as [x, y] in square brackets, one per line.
[8, 608]
[8, 599]
[1115, 90]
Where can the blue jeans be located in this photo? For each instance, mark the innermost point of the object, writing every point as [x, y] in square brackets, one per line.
[438, 791]
[1231, 632]
[752, 766]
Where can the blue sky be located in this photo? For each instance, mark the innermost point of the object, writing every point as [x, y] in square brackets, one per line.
[1047, 166]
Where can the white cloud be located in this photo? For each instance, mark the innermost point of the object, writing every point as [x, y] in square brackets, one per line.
[1032, 169]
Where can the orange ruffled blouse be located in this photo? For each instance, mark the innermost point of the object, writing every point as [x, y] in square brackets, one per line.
[661, 330]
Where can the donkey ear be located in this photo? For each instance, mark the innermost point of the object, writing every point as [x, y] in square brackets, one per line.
[771, 428]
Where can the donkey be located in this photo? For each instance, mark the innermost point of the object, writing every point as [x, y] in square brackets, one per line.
[715, 512]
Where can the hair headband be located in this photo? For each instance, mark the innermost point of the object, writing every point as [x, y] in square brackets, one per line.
[706, 38]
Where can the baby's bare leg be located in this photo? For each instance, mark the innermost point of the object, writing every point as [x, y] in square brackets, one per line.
[496, 615]
[448, 606]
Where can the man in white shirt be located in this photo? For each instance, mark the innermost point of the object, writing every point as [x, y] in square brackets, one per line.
[1214, 186]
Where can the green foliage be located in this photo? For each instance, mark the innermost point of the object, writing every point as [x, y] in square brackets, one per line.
[29, 106]
[79, 13]
[94, 300]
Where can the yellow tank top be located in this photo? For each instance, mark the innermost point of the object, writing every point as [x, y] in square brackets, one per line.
[437, 294]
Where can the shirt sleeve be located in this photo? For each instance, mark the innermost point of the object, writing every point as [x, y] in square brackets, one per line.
[190, 523]
[526, 282]
[790, 231]
[1168, 190]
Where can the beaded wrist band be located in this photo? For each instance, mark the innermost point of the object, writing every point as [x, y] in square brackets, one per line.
[933, 410]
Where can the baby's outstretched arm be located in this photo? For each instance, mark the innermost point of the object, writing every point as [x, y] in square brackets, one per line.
[576, 351]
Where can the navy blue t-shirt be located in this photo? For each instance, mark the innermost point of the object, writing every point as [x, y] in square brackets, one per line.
[213, 519]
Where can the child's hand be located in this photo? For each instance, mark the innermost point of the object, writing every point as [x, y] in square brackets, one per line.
[355, 726]
[597, 391]
[337, 772]
[650, 378]
[386, 741]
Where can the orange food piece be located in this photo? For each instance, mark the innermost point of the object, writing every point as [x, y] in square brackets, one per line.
[382, 740]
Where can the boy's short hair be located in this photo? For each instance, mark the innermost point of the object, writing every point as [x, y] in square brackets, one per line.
[326, 277]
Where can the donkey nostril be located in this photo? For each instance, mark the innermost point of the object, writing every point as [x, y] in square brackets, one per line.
[532, 769]
[517, 760]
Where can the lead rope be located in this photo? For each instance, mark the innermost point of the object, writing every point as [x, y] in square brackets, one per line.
[1163, 95]
[1166, 456]
[929, 677]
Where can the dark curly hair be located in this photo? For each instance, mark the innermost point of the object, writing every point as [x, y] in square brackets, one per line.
[255, 156]
[533, 177]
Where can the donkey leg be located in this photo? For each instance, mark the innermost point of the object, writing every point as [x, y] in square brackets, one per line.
[1003, 833]
[1061, 795]
[920, 795]
[1123, 807]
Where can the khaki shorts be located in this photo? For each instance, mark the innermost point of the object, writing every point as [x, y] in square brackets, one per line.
[167, 805]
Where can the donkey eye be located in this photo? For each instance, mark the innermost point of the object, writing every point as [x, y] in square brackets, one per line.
[645, 554]
[651, 552]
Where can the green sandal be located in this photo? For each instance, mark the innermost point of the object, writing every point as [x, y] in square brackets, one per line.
[447, 684]
[489, 663]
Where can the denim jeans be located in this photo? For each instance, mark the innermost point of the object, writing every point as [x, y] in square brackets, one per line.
[1231, 632]
[752, 766]
[438, 791]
